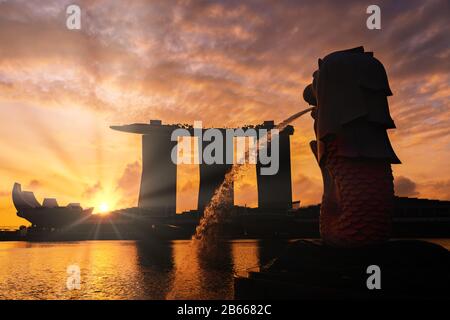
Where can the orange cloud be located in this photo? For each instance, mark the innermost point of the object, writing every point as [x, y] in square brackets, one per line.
[405, 187]
[91, 191]
[128, 184]
[225, 63]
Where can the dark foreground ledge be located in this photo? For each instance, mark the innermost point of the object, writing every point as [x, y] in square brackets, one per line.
[313, 270]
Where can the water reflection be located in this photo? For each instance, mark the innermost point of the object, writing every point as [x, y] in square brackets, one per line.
[216, 276]
[123, 269]
[156, 263]
[128, 269]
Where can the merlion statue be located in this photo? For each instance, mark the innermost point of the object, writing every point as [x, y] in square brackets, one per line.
[352, 148]
[349, 92]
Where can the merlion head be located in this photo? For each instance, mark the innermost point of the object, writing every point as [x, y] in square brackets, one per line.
[348, 85]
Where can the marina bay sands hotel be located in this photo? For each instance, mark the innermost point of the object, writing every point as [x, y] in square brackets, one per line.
[159, 173]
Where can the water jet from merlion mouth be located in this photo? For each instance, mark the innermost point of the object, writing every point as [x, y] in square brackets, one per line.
[218, 209]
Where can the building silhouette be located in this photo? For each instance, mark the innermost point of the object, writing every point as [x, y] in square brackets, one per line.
[158, 189]
[275, 191]
[159, 173]
[211, 176]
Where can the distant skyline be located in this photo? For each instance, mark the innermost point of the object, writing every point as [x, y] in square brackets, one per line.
[226, 63]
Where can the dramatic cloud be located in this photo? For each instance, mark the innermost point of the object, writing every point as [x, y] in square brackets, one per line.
[91, 191]
[227, 63]
[405, 187]
[128, 183]
[180, 59]
[440, 188]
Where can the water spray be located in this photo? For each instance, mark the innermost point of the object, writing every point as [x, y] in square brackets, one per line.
[217, 210]
[286, 122]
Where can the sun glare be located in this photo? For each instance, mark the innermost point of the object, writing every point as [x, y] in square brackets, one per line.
[103, 208]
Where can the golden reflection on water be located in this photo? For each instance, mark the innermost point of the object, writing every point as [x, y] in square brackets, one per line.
[122, 269]
[129, 269]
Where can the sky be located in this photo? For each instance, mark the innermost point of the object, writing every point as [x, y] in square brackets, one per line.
[226, 63]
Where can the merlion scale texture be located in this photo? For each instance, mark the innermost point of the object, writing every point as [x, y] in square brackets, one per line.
[352, 147]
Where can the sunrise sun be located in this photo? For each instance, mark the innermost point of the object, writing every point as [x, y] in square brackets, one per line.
[103, 208]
